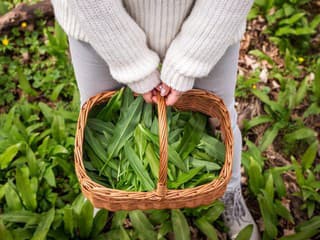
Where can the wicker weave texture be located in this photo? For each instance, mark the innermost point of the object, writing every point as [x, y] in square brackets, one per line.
[160, 198]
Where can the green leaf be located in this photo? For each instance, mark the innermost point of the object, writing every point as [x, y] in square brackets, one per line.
[49, 176]
[164, 229]
[283, 211]
[309, 156]
[214, 212]
[58, 128]
[301, 235]
[301, 92]
[315, 22]
[313, 109]
[116, 234]
[8, 155]
[140, 141]
[118, 219]
[24, 83]
[184, 178]
[44, 225]
[245, 233]
[206, 228]
[157, 216]
[269, 188]
[99, 222]
[28, 195]
[4, 8]
[56, 91]
[213, 147]
[255, 177]
[310, 225]
[152, 160]
[46, 111]
[279, 184]
[261, 55]
[257, 121]
[69, 220]
[25, 217]
[108, 113]
[4, 232]
[191, 135]
[138, 168]
[293, 19]
[85, 219]
[301, 133]
[210, 166]
[12, 198]
[147, 115]
[180, 225]
[269, 136]
[142, 225]
[268, 218]
[173, 156]
[124, 128]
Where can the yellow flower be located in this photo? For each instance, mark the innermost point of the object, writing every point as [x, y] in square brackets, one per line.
[301, 59]
[24, 24]
[254, 86]
[5, 41]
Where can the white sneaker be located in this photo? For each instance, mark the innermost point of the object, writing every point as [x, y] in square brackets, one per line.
[236, 215]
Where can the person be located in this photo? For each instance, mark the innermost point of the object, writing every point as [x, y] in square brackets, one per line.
[122, 42]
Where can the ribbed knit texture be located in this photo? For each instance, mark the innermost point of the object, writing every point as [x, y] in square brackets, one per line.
[207, 33]
[190, 36]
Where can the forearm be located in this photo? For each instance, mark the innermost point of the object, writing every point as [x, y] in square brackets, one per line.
[117, 38]
[209, 30]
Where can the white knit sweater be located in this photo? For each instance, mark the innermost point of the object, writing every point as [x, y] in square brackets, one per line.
[132, 36]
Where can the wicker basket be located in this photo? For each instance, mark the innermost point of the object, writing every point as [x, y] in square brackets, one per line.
[160, 198]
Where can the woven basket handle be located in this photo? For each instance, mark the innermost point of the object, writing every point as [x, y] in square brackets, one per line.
[163, 146]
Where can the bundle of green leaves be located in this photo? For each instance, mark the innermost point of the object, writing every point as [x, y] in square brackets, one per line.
[121, 147]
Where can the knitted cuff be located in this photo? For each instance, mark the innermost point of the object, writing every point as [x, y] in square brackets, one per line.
[146, 84]
[176, 80]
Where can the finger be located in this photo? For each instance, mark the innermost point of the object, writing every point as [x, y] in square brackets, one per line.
[155, 99]
[171, 99]
[148, 97]
[164, 89]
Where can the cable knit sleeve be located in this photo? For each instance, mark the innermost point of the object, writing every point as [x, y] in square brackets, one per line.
[119, 41]
[210, 29]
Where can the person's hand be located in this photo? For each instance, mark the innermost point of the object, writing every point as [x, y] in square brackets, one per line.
[152, 96]
[171, 95]
[149, 96]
